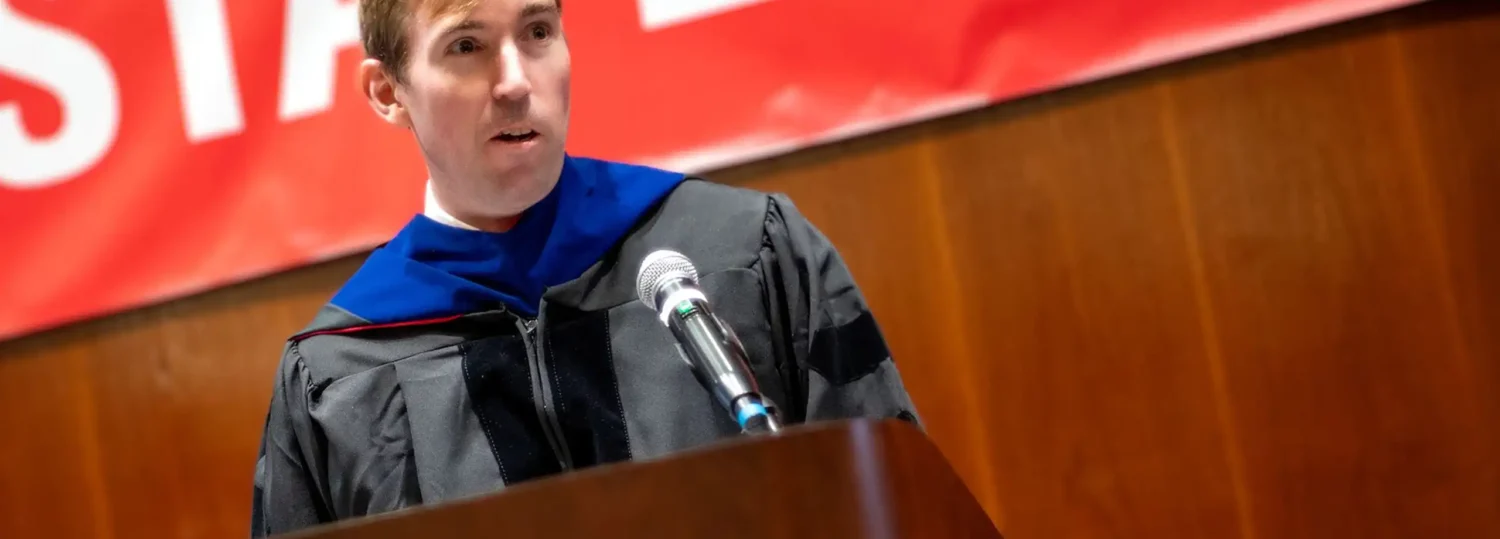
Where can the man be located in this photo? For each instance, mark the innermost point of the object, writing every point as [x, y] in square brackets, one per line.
[497, 338]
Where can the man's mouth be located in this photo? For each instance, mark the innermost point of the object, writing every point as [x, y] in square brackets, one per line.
[518, 135]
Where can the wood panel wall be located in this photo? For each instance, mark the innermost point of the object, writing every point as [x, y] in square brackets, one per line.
[1251, 295]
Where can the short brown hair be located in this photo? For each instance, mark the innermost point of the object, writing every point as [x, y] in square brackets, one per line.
[382, 28]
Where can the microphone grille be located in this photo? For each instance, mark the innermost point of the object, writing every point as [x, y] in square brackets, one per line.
[659, 268]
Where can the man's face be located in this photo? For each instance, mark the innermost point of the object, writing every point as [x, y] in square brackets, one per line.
[486, 94]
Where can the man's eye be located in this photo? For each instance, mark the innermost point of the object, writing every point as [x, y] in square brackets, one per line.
[464, 46]
[540, 31]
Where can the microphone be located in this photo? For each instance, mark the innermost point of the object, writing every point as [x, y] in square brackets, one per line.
[668, 283]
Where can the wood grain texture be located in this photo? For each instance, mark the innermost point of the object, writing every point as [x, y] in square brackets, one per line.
[1250, 295]
[1333, 310]
[147, 424]
[887, 481]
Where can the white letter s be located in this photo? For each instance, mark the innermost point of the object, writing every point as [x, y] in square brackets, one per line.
[71, 69]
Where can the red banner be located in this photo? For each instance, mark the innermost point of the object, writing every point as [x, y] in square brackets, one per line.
[154, 149]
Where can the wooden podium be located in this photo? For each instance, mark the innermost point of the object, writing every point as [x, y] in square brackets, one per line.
[850, 479]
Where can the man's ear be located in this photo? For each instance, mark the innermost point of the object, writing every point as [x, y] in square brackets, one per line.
[380, 92]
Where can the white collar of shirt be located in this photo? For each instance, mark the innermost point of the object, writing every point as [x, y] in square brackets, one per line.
[435, 211]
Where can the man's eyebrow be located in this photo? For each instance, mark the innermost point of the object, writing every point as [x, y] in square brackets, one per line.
[539, 8]
[467, 24]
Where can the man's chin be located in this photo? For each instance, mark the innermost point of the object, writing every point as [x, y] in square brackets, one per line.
[505, 159]
[526, 182]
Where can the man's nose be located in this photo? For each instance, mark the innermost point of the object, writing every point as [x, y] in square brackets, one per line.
[514, 83]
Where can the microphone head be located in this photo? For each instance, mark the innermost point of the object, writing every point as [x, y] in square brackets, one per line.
[658, 269]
